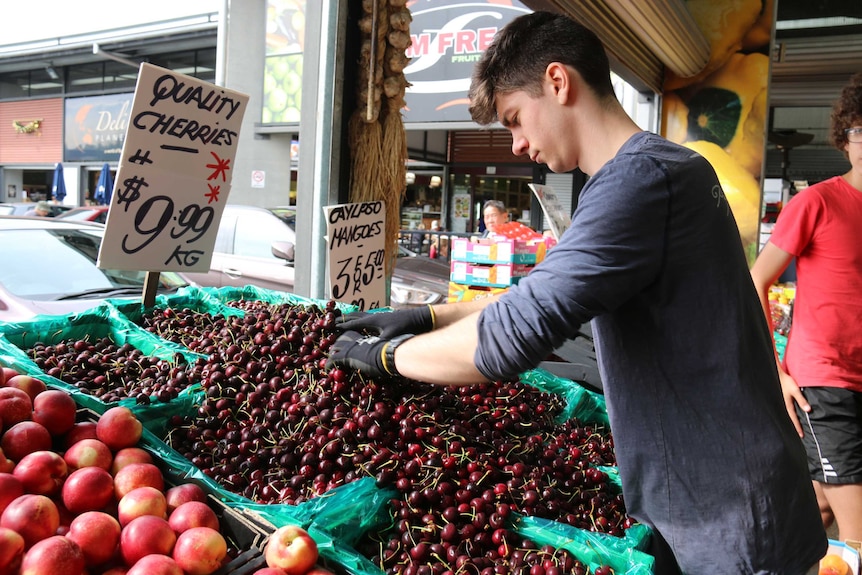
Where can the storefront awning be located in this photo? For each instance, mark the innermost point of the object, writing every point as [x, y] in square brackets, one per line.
[641, 38]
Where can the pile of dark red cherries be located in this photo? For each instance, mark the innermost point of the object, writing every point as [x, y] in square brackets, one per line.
[276, 426]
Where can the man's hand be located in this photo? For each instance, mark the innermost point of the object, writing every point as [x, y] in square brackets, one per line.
[793, 397]
[371, 355]
[389, 324]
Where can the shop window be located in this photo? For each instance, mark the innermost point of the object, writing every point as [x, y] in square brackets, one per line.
[87, 77]
[120, 77]
[36, 83]
[15, 85]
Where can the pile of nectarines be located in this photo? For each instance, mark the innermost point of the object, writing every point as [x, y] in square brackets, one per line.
[83, 497]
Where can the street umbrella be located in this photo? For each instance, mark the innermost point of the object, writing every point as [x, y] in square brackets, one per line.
[58, 190]
[105, 187]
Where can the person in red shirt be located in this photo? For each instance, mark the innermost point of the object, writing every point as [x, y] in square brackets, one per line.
[821, 372]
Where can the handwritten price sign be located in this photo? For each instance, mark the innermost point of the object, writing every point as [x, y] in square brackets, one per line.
[357, 253]
[175, 174]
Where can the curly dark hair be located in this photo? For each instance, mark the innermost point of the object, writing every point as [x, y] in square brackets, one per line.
[521, 52]
[847, 112]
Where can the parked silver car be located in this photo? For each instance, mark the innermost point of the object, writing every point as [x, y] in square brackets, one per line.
[255, 246]
[49, 267]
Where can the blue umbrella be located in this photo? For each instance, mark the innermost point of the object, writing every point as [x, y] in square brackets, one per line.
[58, 190]
[105, 187]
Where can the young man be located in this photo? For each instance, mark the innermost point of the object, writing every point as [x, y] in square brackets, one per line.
[821, 375]
[707, 454]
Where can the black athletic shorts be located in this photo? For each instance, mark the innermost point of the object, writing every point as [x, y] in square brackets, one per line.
[832, 434]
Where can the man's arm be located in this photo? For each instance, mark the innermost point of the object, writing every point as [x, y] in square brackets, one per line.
[447, 314]
[443, 356]
[771, 262]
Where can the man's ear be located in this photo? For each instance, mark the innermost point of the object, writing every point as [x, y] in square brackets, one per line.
[559, 79]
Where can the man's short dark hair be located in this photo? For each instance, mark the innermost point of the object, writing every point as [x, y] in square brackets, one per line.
[521, 52]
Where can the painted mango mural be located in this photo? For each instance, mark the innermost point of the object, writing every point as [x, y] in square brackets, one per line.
[722, 111]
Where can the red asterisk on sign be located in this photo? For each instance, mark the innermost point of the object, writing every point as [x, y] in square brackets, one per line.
[212, 195]
[220, 168]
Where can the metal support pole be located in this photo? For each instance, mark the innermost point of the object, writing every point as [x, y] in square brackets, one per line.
[323, 155]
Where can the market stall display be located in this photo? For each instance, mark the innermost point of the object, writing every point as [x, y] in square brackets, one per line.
[394, 477]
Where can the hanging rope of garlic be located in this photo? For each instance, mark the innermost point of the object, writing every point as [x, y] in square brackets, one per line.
[376, 137]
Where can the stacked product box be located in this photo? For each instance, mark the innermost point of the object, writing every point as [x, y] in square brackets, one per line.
[484, 267]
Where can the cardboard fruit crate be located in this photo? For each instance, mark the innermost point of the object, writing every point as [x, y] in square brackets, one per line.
[499, 251]
[496, 275]
[460, 292]
[243, 533]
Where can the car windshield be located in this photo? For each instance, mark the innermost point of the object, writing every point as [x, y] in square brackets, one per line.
[51, 264]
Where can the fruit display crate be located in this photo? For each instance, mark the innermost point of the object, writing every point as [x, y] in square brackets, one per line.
[101, 328]
[499, 251]
[230, 296]
[190, 297]
[245, 531]
[488, 275]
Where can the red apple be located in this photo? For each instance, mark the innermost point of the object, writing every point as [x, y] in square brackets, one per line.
[200, 550]
[88, 453]
[88, 489]
[8, 373]
[183, 493]
[6, 464]
[137, 475]
[119, 427]
[41, 472]
[98, 536]
[193, 514]
[146, 535]
[11, 489]
[81, 430]
[317, 570]
[130, 455]
[269, 571]
[55, 555]
[291, 548]
[140, 501]
[11, 551]
[34, 517]
[56, 410]
[15, 406]
[32, 386]
[155, 565]
[25, 437]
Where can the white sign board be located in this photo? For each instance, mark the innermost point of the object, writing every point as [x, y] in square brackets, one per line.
[558, 217]
[357, 253]
[175, 174]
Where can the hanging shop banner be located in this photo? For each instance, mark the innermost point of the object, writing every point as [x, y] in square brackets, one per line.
[356, 235]
[282, 74]
[448, 38]
[721, 112]
[175, 174]
[95, 127]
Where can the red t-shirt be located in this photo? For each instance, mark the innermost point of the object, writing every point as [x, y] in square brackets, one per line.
[821, 227]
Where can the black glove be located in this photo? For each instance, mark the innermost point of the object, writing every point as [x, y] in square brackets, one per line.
[371, 355]
[389, 324]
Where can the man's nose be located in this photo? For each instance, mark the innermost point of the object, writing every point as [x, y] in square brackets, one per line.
[519, 145]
